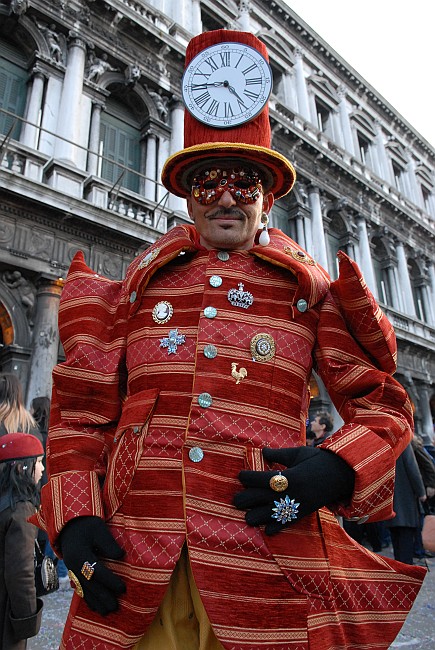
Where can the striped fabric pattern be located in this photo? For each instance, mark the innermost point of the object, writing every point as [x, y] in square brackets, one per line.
[126, 414]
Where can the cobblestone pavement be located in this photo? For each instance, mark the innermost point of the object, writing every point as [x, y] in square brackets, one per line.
[418, 633]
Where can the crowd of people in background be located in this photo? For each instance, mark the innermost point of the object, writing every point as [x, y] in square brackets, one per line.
[414, 497]
[23, 437]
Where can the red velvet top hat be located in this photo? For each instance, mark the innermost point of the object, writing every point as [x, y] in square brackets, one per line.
[16, 446]
[249, 142]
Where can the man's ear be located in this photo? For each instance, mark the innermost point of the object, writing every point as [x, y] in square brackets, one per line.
[268, 201]
[189, 207]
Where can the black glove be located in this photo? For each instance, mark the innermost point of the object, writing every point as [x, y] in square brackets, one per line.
[316, 477]
[89, 539]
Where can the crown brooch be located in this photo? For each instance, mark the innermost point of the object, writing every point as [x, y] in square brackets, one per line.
[240, 298]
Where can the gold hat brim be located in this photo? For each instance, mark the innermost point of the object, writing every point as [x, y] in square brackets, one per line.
[278, 174]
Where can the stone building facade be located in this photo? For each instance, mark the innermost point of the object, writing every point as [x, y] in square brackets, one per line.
[90, 107]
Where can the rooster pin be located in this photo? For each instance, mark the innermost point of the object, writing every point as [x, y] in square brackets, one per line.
[238, 374]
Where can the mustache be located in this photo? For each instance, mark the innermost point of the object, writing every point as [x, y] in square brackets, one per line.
[225, 212]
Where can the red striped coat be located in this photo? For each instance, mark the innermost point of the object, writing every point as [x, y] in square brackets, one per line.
[127, 413]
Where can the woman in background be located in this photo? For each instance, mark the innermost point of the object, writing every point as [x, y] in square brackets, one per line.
[21, 469]
[13, 414]
[40, 409]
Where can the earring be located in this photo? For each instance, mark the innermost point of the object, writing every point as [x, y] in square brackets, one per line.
[264, 237]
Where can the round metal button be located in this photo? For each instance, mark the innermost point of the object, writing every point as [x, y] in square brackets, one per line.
[302, 305]
[215, 281]
[205, 400]
[210, 351]
[210, 312]
[133, 296]
[135, 429]
[196, 454]
[223, 256]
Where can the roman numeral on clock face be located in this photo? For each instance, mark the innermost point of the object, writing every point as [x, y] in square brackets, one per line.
[201, 100]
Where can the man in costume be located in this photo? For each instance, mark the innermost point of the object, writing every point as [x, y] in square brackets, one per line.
[181, 494]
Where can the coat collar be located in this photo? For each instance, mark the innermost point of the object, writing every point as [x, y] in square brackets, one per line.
[313, 281]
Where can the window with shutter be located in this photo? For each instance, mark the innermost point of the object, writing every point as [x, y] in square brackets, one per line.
[13, 91]
[120, 147]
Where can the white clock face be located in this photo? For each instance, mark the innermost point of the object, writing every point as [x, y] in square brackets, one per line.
[227, 84]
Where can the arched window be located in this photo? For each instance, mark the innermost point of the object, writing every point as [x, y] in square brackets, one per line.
[120, 149]
[13, 89]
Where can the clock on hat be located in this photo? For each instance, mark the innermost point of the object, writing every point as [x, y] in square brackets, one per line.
[226, 87]
[227, 84]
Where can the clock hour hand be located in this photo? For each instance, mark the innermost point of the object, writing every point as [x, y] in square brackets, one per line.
[233, 92]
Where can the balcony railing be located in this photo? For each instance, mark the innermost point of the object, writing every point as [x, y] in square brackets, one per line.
[65, 180]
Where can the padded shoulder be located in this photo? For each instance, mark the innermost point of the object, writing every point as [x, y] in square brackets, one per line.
[364, 318]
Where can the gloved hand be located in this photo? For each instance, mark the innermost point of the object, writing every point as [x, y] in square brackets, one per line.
[89, 539]
[316, 477]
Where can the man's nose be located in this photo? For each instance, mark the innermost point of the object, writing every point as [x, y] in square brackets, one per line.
[227, 200]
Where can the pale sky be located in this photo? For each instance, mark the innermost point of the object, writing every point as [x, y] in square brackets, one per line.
[390, 43]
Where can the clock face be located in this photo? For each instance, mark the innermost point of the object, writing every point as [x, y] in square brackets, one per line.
[227, 84]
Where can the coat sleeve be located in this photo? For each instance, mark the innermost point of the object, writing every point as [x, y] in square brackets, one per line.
[413, 472]
[19, 569]
[88, 392]
[376, 411]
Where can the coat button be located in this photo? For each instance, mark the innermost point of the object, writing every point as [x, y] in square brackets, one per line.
[205, 400]
[302, 305]
[135, 429]
[223, 256]
[210, 351]
[196, 454]
[210, 312]
[215, 281]
[133, 296]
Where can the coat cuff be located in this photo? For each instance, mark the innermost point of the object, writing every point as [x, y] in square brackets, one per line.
[372, 498]
[65, 497]
[24, 628]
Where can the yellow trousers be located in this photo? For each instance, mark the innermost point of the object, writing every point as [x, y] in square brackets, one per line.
[181, 622]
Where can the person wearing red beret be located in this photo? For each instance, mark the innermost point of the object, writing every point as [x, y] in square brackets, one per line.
[21, 468]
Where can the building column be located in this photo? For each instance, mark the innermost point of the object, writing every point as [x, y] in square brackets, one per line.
[288, 90]
[30, 132]
[94, 139]
[366, 256]
[425, 412]
[177, 144]
[300, 234]
[196, 17]
[318, 233]
[45, 339]
[163, 154]
[431, 286]
[428, 304]
[301, 86]
[68, 126]
[393, 288]
[244, 18]
[405, 286]
[415, 192]
[346, 128]
[150, 167]
[384, 171]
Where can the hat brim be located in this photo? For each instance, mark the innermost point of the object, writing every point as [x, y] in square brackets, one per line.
[278, 174]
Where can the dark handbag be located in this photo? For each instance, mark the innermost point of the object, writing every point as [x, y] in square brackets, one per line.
[46, 578]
